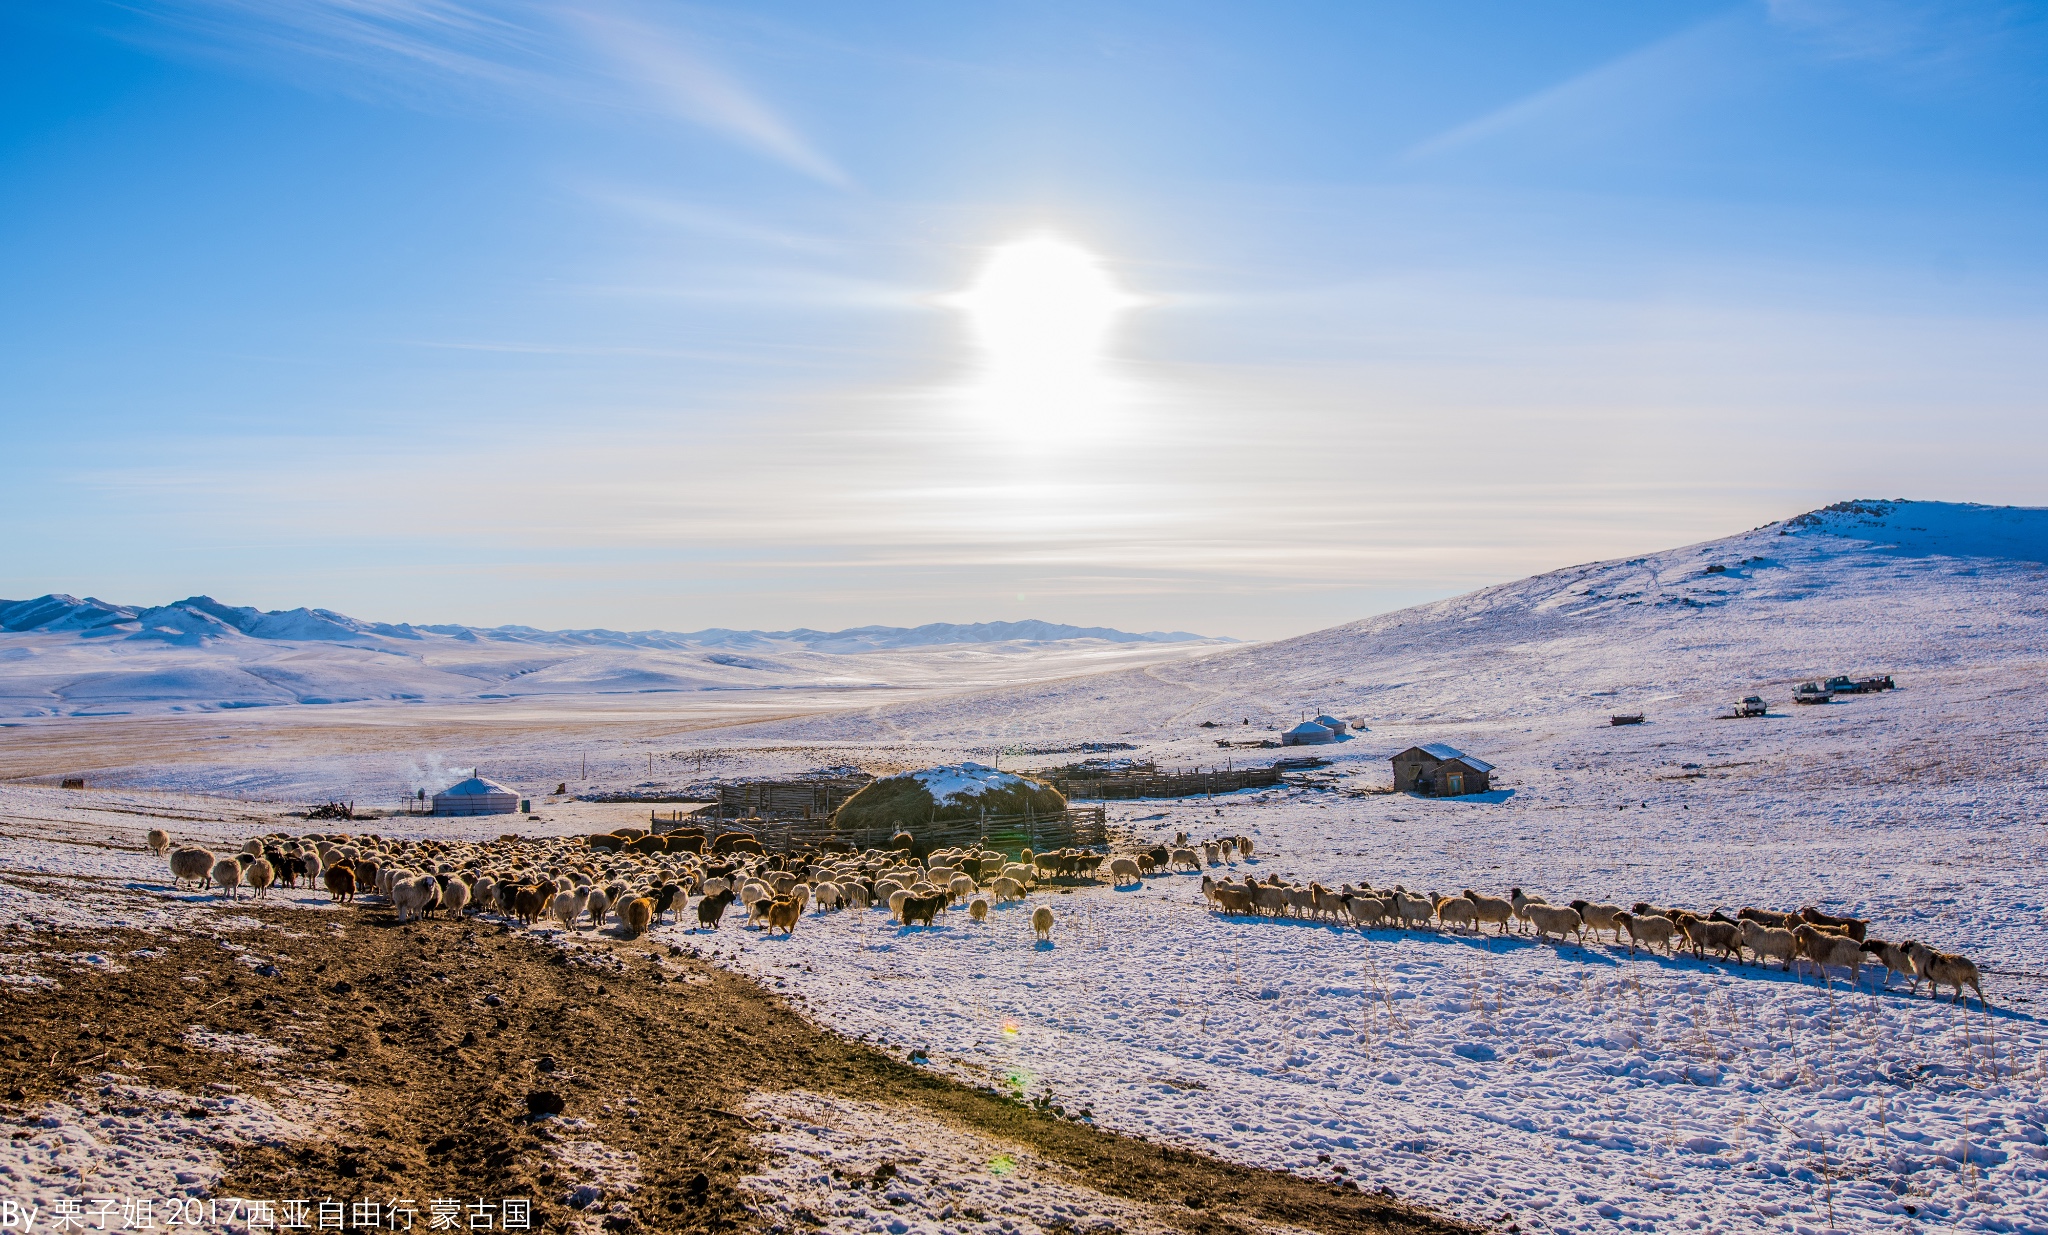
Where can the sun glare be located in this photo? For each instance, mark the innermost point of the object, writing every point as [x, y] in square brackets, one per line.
[1042, 311]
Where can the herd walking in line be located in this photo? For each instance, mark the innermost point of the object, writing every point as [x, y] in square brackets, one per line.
[1804, 939]
[640, 879]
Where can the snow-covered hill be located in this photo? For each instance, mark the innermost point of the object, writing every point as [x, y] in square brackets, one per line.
[63, 656]
[1859, 587]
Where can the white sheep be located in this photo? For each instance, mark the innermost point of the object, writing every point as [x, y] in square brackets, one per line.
[1769, 941]
[259, 877]
[1649, 930]
[567, 907]
[195, 864]
[1411, 909]
[158, 840]
[1366, 910]
[1452, 910]
[1944, 969]
[412, 897]
[455, 896]
[227, 873]
[1491, 909]
[1599, 917]
[1559, 921]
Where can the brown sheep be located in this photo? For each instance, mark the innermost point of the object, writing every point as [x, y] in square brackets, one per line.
[635, 916]
[1853, 927]
[1230, 898]
[340, 881]
[923, 909]
[158, 840]
[528, 904]
[785, 913]
[1769, 917]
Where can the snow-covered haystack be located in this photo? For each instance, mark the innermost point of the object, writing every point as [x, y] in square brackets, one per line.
[946, 794]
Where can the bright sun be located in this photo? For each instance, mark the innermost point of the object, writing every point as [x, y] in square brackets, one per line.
[1042, 311]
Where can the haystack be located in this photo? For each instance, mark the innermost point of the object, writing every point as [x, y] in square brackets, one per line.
[944, 795]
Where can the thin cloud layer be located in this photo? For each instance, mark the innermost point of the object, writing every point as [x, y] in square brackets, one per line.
[418, 50]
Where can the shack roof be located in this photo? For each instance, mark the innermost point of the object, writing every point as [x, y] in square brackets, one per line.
[1444, 751]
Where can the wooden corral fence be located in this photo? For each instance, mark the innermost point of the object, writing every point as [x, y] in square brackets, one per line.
[810, 799]
[1169, 784]
[1082, 828]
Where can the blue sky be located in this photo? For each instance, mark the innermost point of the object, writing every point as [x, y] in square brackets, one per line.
[650, 315]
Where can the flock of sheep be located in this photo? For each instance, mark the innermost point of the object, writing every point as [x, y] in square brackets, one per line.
[1806, 937]
[640, 878]
[636, 877]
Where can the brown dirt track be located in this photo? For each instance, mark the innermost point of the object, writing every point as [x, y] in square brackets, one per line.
[440, 1078]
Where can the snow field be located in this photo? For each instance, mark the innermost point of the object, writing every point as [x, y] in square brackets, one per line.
[1575, 1089]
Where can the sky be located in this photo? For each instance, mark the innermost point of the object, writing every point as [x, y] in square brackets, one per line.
[1242, 319]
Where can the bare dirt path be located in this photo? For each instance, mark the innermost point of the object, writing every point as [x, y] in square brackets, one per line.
[440, 1033]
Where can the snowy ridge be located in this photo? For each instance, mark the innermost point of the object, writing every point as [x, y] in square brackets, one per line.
[63, 656]
[197, 619]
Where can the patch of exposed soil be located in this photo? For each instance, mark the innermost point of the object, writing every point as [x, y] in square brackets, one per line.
[654, 1056]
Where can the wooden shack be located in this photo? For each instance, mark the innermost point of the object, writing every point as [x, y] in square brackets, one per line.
[1439, 770]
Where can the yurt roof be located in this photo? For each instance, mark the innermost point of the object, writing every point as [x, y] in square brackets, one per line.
[1309, 729]
[475, 786]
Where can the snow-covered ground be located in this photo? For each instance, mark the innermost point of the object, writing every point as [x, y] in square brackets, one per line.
[1576, 1089]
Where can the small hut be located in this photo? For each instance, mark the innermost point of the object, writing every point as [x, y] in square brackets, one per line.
[1307, 733]
[476, 796]
[1439, 770]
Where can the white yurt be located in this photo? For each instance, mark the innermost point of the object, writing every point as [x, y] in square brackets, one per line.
[1338, 727]
[476, 796]
[1307, 733]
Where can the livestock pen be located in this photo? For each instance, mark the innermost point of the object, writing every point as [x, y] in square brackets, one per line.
[1078, 828]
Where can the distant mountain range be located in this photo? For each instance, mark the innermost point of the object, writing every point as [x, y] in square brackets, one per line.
[199, 620]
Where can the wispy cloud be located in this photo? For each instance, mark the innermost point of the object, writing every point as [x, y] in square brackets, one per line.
[677, 76]
[416, 50]
[1650, 72]
[1924, 35]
